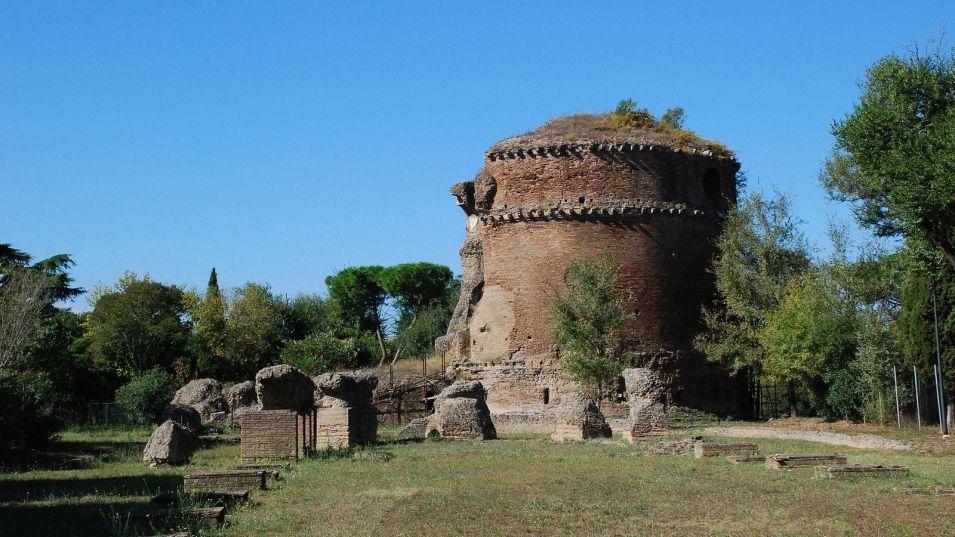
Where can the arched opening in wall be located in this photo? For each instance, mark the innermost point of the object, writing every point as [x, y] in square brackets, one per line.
[546, 396]
[711, 188]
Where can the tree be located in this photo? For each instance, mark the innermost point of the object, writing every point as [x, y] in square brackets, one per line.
[139, 326]
[309, 314]
[358, 292]
[917, 323]
[254, 330]
[809, 339]
[416, 286]
[53, 268]
[894, 155]
[588, 321]
[419, 290]
[23, 297]
[208, 315]
[759, 251]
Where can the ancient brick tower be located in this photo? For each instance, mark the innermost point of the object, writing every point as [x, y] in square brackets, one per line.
[569, 190]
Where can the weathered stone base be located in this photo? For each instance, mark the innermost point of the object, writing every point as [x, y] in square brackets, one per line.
[715, 449]
[861, 470]
[340, 427]
[783, 462]
[223, 481]
[742, 459]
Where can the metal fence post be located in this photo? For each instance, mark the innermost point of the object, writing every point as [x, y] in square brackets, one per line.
[915, 388]
[898, 413]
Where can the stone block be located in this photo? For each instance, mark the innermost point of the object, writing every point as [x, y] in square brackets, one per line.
[715, 449]
[783, 462]
[225, 481]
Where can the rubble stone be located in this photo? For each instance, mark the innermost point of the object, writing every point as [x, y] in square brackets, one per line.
[170, 443]
[461, 417]
[647, 400]
[204, 395]
[578, 418]
[184, 415]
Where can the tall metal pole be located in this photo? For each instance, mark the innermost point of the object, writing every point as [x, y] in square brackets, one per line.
[938, 399]
[898, 413]
[940, 384]
[918, 409]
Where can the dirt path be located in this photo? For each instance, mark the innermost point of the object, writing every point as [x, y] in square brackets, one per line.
[862, 441]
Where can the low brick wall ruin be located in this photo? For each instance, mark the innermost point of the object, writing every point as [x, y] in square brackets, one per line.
[341, 427]
[269, 434]
[233, 480]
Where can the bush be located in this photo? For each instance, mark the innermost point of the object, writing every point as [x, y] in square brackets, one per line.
[144, 398]
[27, 416]
[319, 353]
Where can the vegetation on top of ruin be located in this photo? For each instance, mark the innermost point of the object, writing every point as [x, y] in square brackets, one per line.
[627, 123]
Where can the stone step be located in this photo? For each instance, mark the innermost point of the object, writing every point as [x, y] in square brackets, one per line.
[841, 471]
[740, 459]
[714, 449]
[781, 462]
[224, 481]
[225, 498]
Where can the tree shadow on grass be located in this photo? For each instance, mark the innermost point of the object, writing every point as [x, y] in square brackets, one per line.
[62, 455]
[21, 490]
[79, 519]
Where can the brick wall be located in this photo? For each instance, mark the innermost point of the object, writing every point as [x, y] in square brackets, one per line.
[664, 256]
[340, 427]
[224, 481]
[269, 434]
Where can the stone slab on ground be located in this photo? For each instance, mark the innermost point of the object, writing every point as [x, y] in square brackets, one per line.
[741, 459]
[223, 498]
[205, 516]
[782, 462]
[842, 471]
[715, 449]
[223, 481]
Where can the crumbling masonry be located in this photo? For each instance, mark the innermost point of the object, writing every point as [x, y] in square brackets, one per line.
[574, 190]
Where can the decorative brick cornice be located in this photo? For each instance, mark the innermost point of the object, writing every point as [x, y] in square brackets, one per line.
[602, 210]
[595, 147]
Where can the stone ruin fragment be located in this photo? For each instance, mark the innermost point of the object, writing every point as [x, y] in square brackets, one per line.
[240, 399]
[170, 443]
[579, 418]
[204, 395]
[460, 411]
[282, 387]
[346, 416]
[647, 400]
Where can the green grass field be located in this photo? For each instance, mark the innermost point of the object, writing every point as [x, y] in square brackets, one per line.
[513, 486]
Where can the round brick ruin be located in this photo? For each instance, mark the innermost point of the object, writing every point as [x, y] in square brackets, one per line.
[573, 190]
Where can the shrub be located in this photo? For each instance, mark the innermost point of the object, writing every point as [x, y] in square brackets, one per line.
[589, 321]
[319, 353]
[145, 397]
[27, 414]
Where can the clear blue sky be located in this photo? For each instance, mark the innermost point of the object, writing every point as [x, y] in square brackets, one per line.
[282, 141]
